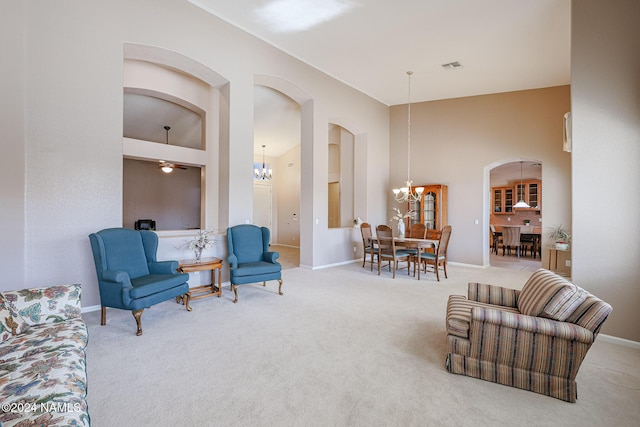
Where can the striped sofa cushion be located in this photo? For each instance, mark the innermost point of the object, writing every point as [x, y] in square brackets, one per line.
[549, 295]
[591, 314]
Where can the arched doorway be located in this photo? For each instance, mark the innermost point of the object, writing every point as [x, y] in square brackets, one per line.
[509, 182]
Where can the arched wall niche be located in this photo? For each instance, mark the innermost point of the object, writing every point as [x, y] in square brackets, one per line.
[186, 82]
[360, 153]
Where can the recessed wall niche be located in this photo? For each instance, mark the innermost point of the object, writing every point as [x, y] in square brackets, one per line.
[146, 118]
[172, 200]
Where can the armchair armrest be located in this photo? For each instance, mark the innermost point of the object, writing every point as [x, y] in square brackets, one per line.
[491, 294]
[233, 261]
[163, 267]
[532, 324]
[117, 277]
[270, 257]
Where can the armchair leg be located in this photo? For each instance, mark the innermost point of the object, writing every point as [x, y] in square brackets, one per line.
[103, 319]
[235, 292]
[280, 286]
[187, 299]
[137, 314]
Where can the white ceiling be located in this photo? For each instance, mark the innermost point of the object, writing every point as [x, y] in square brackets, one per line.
[502, 45]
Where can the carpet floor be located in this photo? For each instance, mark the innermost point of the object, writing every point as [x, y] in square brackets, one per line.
[342, 347]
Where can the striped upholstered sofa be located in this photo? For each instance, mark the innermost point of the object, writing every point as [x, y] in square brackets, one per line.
[534, 339]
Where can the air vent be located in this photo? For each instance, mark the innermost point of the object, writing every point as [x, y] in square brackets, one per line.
[451, 65]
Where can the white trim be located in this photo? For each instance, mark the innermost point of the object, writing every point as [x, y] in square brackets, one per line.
[620, 341]
[90, 308]
[320, 267]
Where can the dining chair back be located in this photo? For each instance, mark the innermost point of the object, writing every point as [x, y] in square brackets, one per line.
[417, 231]
[387, 250]
[368, 244]
[439, 257]
[511, 239]
[495, 239]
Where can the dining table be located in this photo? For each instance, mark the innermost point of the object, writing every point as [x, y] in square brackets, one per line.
[529, 231]
[415, 243]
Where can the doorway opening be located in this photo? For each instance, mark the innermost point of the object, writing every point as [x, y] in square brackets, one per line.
[512, 182]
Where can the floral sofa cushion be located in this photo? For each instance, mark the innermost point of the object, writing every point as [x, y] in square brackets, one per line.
[11, 323]
[43, 370]
[46, 305]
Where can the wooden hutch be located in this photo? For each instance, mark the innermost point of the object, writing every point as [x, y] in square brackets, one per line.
[431, 210]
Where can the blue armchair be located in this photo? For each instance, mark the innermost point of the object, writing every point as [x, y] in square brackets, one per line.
[249, 259]
[129, 277]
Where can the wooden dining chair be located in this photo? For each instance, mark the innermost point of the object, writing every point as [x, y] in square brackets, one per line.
[495, 239]
[368, 243]
[387, 250]
[439, 257]
[416, 231]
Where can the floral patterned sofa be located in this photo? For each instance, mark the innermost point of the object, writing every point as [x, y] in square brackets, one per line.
[43, 377]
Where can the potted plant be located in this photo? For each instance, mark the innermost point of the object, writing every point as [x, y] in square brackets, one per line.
[527, 221]
[560, 236]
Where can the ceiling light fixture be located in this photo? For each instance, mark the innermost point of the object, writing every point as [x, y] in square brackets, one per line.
[521, 203]
[406, 193]
[265, 174]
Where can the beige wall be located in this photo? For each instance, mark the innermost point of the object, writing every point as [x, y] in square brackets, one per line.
[12, 147]
[605, 59]
[457, 141]
[67, 129]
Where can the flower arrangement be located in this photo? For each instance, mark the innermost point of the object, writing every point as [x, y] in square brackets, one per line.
[202, 240]
[399, 216]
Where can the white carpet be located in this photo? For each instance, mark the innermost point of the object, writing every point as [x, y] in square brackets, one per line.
[342, 347]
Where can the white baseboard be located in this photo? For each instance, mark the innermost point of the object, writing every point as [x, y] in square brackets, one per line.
[619, 341]
[90, 308]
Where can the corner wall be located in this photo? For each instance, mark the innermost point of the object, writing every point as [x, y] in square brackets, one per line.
[605, 104]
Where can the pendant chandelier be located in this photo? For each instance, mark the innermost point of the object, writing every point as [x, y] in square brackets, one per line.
[265, 174]
[407, 193]
[521, 203]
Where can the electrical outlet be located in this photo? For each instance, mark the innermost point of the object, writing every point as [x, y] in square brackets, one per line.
[567, 263]
[354, 249]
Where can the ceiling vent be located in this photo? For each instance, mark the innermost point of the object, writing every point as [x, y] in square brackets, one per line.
[451, 65]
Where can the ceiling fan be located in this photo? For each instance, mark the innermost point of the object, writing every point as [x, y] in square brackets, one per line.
[167, 167]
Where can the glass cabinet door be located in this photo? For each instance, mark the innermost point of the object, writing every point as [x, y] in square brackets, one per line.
[533, 195]
[508, 200]
[497, 201]
[430, 209]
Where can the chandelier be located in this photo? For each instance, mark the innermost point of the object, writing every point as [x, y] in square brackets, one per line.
[265, 174]
[408, 193]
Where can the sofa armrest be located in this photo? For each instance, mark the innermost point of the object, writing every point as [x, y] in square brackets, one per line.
[163, 267]
[46, 304]
[536, 325]
[271, 257]
[491, 294]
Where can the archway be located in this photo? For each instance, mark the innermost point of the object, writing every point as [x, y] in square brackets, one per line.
[506, 182]
[305, 162]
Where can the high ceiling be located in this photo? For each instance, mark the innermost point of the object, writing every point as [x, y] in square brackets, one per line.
[501, 45]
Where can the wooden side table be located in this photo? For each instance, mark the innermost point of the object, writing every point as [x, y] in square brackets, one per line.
[213, 264]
